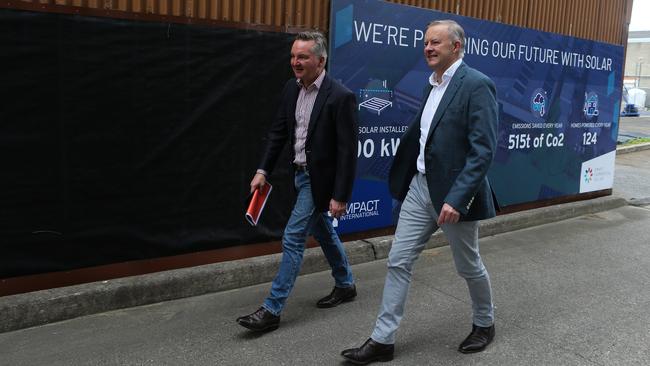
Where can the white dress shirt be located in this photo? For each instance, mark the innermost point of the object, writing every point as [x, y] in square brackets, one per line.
[431, 106]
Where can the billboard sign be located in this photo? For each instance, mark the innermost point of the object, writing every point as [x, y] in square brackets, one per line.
[559, 100]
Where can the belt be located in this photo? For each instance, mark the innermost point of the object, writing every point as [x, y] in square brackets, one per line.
[300, 168]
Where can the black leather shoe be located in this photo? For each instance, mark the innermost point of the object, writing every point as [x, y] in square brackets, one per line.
[477, 340]
[370, 351]
[337, 296]
[261, 320]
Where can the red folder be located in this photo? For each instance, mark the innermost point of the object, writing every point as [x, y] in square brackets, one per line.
[256, 202]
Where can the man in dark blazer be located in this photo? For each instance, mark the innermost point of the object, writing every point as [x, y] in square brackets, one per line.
[318, 117]
[440, 174]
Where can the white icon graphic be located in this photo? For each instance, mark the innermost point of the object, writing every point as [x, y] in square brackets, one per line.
[376, 104]
[376, 96]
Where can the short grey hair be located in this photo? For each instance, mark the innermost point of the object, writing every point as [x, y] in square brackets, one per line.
[456, 32]
[320, 42]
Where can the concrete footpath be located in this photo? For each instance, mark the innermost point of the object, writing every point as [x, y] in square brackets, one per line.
[571, 291]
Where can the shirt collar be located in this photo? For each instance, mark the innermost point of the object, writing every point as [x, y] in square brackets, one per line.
[317, 83]
[447, 75]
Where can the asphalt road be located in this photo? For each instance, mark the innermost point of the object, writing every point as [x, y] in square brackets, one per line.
[633, 127]
[632, 175]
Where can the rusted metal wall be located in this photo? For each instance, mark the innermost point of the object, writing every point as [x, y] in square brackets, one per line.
[601, 20]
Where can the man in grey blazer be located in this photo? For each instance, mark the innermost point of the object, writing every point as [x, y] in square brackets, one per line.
[440, 174]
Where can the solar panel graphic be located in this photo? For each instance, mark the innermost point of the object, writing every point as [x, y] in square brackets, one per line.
[376, 104]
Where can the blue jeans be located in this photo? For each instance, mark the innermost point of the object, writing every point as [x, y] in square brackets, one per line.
[306, 220]
[417, 222]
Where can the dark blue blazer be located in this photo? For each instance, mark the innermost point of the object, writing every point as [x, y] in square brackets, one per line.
[459, 149]
[331, 145]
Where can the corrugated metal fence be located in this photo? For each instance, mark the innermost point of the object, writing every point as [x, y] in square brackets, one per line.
[601, 20]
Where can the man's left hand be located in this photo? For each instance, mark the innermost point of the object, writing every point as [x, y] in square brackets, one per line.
[448, 215]
[337, 209]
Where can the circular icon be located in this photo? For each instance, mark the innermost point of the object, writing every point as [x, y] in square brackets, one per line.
[539, 103]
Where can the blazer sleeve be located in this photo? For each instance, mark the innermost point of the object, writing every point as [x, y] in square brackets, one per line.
[346, 154]
[482, 121]
[278, 132]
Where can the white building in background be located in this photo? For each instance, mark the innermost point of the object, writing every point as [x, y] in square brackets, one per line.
[637, 62]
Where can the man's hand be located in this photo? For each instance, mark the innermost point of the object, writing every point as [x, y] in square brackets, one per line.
[448, 215]
[258, 182]
[337, 209]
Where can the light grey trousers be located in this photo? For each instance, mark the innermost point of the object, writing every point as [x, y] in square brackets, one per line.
[416, 224]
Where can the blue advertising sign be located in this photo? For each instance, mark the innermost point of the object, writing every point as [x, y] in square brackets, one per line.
[559, 100]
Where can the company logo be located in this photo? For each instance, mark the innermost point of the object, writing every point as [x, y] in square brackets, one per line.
[590, 107]
[597, 173]
[539, 103]
[358, 210]
[589, 175]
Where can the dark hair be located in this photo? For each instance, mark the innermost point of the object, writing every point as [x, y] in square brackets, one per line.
[320, 42]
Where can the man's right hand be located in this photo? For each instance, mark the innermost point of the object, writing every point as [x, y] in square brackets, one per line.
[259, 180]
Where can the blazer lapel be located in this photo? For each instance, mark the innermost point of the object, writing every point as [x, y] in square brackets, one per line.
[323, 93]
[425, 96]
[454, 84]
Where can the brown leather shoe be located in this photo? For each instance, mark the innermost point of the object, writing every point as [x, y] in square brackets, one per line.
[338, 296]
[477, 340]
[370, 351]
[261, 320]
